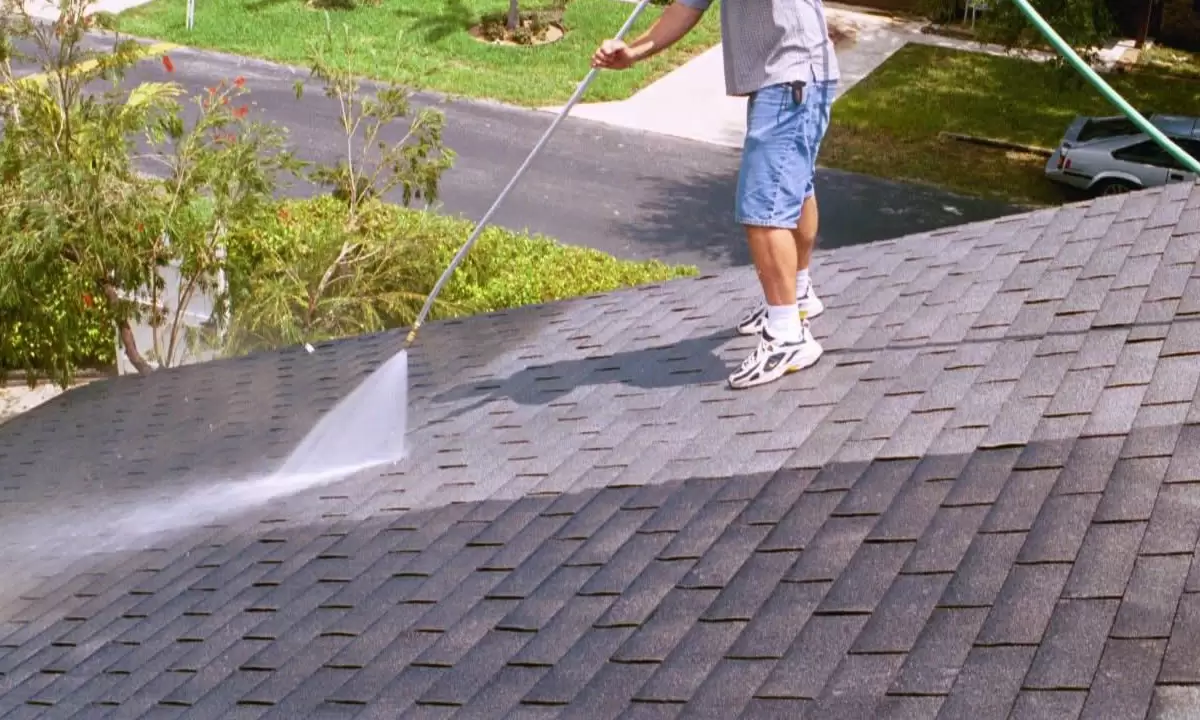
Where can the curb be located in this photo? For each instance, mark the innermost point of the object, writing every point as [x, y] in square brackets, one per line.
[998, 144]
[158, 48]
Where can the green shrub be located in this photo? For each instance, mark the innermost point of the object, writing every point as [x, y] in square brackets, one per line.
[58, 332]
[316, 277]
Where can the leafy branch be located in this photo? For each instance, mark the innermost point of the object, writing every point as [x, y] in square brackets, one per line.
[372, 166]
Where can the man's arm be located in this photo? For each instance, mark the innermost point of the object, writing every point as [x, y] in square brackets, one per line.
[676, 21]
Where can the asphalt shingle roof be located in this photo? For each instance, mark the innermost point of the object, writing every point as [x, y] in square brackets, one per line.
[983, 502]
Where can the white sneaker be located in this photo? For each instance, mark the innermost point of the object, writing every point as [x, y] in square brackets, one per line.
[756, 319]
[774, 358]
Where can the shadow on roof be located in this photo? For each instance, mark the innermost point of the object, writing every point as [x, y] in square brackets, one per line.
[741, 593]
[693, 361]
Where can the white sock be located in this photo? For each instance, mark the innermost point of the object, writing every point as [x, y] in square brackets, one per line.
[803, 283]
[783, 321]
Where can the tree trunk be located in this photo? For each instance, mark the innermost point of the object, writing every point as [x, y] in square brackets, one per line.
[126, 334]
[1144, 25]
[514, 15]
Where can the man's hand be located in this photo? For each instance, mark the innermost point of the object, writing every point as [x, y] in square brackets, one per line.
[613, 55]
[675, 22]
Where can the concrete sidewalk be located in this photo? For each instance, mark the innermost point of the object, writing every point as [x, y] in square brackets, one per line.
[691, 103]
[48, 9]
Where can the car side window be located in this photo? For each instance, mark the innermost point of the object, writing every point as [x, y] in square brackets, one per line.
[1191, 147]
[1147, 153]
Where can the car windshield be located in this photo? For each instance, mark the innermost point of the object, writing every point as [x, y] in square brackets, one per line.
[1106, 128]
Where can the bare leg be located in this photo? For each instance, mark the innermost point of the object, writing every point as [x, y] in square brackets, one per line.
[786, 345]
[805, 233]
[773, 251]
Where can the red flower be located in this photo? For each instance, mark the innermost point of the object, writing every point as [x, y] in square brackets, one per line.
[170, 66]
[240, 112]
[87, 300]
[239, 81]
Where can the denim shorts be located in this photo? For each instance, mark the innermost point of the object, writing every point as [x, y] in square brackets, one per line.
[780, 153]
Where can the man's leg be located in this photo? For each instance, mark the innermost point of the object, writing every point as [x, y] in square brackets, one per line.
[772, 182]
[820, 101]
[773, 251]
[805, 236]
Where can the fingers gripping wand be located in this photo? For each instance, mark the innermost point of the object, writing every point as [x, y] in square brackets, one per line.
[466, 248]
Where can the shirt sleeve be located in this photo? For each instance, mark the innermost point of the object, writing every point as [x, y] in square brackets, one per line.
[700, 5]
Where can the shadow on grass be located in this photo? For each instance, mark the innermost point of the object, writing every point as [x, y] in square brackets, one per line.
[433, 26]
[260, 5]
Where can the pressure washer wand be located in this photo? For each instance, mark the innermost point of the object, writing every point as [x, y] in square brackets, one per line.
[466, 248]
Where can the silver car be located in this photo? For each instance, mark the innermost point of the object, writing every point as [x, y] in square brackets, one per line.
[1107, 155]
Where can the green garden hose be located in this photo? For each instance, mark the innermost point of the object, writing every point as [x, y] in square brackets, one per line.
[1188, 162]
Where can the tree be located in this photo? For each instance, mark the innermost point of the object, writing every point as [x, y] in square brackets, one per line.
[371, 166]
[1085, 25]
[86, 235]
[79, 220]
[323, 275]
[514, 15]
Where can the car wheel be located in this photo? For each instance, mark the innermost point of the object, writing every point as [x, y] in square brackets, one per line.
[1113, 187]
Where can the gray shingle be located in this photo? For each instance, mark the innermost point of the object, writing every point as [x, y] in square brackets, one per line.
[732, 685]
[1048, 704]
[745, 594]
[1148, 607]
[866, 578]
[1173, 701]
[1181, 341]
[684, 670]
[1024, 605]
[1174, 525]
[976, 499]
[909, 707]
[988, 683]
[1105, 561]
[1090, 465]
[1079, 392]
[856, 686]
[571, 673]
[946, 540]
[1124, 682]
[1070, 653]
[1059, 529]
[1156, 432]
[803, 671]
[984, 477]
[1181, 665]
[910, 513]
[781, 618]
[1020, 501]
[831, 549]
[899, 616]
[1120, 308]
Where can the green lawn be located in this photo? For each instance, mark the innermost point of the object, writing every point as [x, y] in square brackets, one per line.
[888, 125]
[424, 44]
[1169, 60]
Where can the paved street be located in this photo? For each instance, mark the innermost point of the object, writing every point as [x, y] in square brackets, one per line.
[633, 194]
